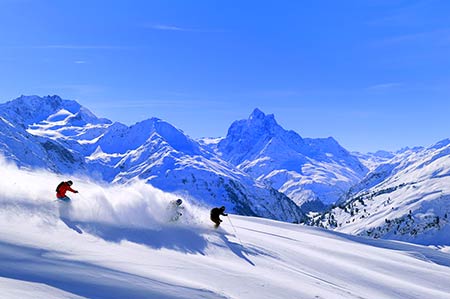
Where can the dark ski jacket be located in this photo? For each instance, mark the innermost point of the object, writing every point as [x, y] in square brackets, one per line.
[216, 212]
[62, 188]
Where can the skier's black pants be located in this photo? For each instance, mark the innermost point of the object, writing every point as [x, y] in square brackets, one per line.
[216, 221]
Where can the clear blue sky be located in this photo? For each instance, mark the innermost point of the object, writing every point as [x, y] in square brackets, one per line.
[373, 74]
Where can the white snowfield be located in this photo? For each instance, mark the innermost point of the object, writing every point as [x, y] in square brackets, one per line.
[117, 242]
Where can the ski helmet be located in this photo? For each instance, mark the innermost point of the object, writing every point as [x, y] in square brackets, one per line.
[70, 183]
[222, 208]
[179, 201]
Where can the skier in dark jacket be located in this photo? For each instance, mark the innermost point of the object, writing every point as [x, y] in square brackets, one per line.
[215, 213]
[175, 208]
[62, 188]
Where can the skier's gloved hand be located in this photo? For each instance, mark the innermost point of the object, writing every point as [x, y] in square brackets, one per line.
[75, 191]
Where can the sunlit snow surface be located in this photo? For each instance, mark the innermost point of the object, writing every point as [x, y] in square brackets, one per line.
[119, 242]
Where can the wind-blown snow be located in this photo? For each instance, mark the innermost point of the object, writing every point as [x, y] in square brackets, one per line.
[116, 242]
[132, 205]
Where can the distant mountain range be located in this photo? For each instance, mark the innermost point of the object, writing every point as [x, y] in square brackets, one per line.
[406, 198]
[258, 169]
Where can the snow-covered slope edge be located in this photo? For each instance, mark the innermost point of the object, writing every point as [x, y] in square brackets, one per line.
[113, 242]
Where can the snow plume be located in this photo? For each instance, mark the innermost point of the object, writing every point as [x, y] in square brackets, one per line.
[134, 205]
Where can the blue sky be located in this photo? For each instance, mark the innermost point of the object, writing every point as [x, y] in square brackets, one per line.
[373, 74]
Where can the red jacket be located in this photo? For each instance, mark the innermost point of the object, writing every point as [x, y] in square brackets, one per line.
[62, 189]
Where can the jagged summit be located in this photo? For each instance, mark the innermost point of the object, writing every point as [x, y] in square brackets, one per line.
[257, 114]
[246, 138]
[265, 123]
[304, 169]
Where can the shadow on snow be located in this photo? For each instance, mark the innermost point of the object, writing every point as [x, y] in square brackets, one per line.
[86, 279]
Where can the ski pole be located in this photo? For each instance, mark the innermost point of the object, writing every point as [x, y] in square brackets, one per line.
[235, 232]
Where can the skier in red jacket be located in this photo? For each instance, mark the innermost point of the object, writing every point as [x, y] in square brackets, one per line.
[62, 188]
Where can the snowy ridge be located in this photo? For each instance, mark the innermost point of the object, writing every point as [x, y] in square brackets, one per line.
[34, 151]
[406, 199]
[112, 242]
[373, 160]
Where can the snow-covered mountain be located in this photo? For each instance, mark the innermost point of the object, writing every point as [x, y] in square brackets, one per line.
[40, 129]
[28, 150]
[258, 169]
[114, 242]
[406, 198]
[304, 169]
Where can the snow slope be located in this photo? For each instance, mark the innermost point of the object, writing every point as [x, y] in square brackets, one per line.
[406, 198]
[116, 242]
